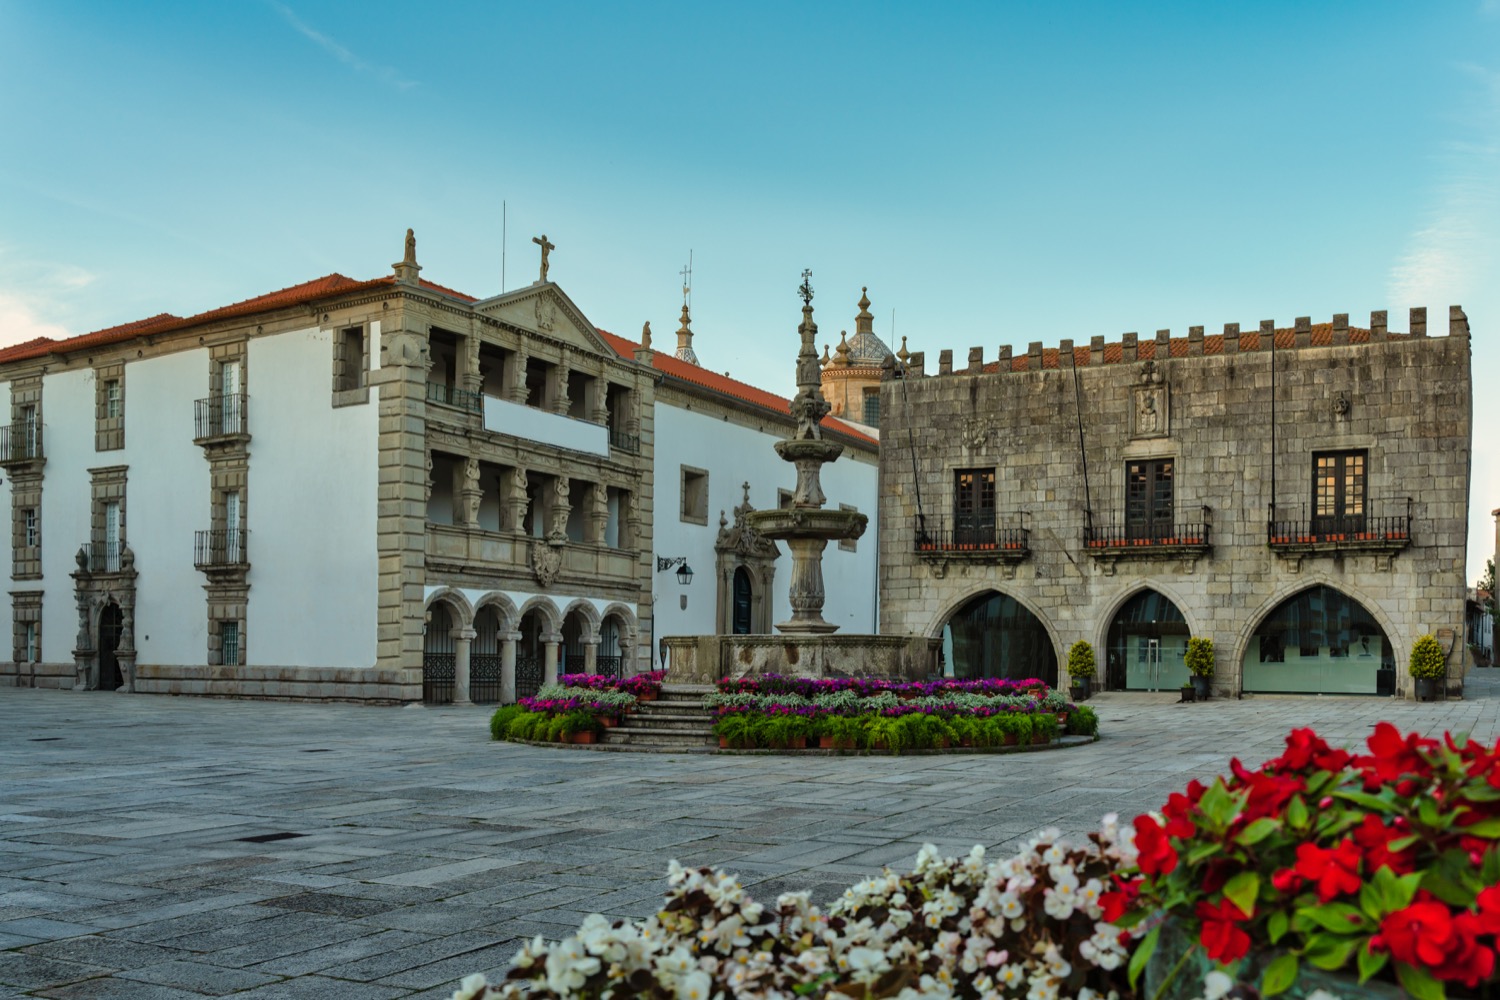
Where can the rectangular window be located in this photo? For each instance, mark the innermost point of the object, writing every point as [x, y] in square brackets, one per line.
[31, 430]
[26, 626]
[353, 360]
[33, 536]
[1149, 499]
[113, 399]
[112, 536]
[871, 415]
[229, 643]
[1339, 492]
[973, 506]
[109, 407]
[694, 495]
[33, 650]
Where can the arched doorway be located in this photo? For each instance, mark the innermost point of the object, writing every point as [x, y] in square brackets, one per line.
[439, 656]
[484, 657]
[574, 631]
[610, 662]
[529, 662]
[111, 623]
[994, 635]
[744, 593]
[1146, 644]
[1320, 641]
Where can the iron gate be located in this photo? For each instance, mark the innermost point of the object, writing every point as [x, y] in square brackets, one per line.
[484, 678]
[528, 675]
[438, 673]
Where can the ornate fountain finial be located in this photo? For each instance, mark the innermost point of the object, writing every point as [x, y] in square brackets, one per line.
[808, 406]
[806, 288]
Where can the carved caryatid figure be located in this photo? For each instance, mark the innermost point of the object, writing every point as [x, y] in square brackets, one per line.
[1147, 417]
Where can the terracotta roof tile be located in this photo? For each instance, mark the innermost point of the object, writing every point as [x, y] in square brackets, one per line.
[677, 368]
[309, 291]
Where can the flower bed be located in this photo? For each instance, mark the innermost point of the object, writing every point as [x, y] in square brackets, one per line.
[1382, 868]
[772, 712]
[574, 710]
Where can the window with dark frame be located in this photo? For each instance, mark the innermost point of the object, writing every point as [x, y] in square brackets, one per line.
[1339, 492]
[973, 506]
[1149, 498]
[229, 643]
[871, 414]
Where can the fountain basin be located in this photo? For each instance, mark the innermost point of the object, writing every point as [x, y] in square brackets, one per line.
[705, 659]
[808, 522]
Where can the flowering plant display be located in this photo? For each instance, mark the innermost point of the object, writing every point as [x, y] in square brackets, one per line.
[1384, 864]
[1031, 925]
[577, 703]
[865, 687]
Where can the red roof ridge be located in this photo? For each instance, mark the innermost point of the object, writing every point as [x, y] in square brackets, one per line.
[671, 365]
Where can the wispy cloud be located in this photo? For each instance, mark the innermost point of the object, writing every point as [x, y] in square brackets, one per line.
[32, 290]
[339, 52]
[1455, 249]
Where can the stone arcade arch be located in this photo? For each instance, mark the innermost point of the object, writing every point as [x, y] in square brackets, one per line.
[992, 634]
[494, 624]
[537, 646]
[617, 638]
[580, 637]
[439, 654]
[1145, 642]
[1319, 640]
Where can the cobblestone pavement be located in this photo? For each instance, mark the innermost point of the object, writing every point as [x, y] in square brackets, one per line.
[167, 848]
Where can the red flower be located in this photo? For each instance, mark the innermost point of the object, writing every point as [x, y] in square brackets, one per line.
[1468, 961]
[1287, 881]
[1304, 747]
[1221, 936]
[1335, 871]
[1157, 856]
[1419, 935]
[1394, 757]
[1488, 914]
[1120, 899]
[1179, 824]
[1374, 838]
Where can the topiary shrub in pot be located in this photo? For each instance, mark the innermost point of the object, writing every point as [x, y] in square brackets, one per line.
[1081, 669]
[1199, 659]
[1427, 666]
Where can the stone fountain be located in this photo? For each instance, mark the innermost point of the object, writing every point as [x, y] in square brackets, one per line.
[807, 646]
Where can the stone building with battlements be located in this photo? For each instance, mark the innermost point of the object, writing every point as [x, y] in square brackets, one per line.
[1299, 495]
[381, 490]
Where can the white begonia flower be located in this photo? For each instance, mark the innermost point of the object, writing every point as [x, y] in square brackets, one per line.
[472, 988]
[1323, 995]
[1058, 905]
[1012, 975]
[1216, 984]
[569, 966]
[866, 964]
[695, 986]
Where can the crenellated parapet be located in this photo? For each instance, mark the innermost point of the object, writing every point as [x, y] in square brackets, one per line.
[1303, 334]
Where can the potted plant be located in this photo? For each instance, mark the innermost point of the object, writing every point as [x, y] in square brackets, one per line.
[1199, 659]
[1427, 666]
[1081, 669]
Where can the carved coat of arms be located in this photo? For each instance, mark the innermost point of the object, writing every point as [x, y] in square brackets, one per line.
[546, 562]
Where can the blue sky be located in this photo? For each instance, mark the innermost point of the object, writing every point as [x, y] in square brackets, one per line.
[997, 173]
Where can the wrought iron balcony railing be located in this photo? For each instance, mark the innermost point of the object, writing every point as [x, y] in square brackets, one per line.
[221, 548]
[221, 417]
[1385, 524]
[104, 557]
[452, 395]
[971, 539]
[629, 443]
[21, 443]
[1188, 527]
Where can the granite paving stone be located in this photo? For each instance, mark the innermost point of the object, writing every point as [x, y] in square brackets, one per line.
[428, 852]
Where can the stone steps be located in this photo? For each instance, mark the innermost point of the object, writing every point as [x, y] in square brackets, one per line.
[676, 720]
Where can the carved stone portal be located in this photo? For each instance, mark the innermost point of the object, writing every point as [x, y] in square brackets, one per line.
[1150, 414]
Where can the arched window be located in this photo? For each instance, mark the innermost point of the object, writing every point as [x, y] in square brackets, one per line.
[744, 592]
[1320, 641]
[1145, 647]
[994, 635]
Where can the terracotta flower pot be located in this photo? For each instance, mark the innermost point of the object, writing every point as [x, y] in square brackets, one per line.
[723, 743]
[585, 737]
[835, 743]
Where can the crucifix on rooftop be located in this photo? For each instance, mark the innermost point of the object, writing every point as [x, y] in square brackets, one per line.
[541, 241]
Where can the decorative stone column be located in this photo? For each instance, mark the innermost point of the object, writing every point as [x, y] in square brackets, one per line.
[470, 377]
[518, 383]
[561, 508]
[598, 514]
[463, 640]
[470, 494]
[518, 499]
[560, 400]
[551, 648]
[125, 652]
[83, 645]
[591, 655]
[508, 642]
[626, 642]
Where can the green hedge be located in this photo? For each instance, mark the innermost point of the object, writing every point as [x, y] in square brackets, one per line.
[915, 731]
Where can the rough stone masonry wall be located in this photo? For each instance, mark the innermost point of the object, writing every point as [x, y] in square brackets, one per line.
[1409, 401]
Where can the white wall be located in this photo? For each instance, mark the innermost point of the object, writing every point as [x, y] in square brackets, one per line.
[311, 510]
[166, 500]
[733, 454]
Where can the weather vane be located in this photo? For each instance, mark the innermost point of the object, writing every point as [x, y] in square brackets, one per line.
[806, 289]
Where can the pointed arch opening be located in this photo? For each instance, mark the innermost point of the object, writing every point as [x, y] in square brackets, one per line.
[1146, 645]
[994, 635]
[1319, 641]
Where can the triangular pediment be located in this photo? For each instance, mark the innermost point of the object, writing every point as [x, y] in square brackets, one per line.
[545, 309]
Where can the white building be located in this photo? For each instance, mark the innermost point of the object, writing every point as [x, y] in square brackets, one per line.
[345, 488]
